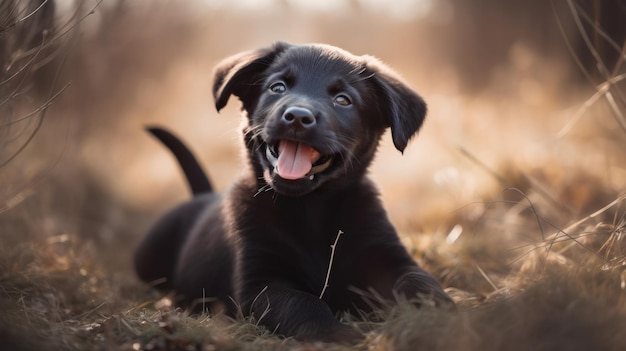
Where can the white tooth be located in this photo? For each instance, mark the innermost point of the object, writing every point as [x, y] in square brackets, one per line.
[312, 176]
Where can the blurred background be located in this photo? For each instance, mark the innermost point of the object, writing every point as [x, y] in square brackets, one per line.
[525, 132]
[520, 165]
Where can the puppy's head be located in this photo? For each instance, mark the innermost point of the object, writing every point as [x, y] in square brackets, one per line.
[315, 113]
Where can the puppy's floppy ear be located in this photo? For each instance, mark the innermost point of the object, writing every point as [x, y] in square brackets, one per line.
[241, 74]
[404, 110]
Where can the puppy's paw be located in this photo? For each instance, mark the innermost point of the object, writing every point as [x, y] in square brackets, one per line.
[422, 288]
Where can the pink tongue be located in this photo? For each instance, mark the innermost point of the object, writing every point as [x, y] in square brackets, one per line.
[295, 159]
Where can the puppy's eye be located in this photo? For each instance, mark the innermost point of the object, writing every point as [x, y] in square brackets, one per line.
[278, 87]
[342, 100]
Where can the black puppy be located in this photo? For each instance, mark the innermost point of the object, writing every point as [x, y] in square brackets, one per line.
[314, 117]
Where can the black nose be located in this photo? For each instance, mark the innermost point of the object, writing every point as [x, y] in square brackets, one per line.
[298, 117]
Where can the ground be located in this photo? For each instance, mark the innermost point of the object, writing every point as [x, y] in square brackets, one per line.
[513, 194]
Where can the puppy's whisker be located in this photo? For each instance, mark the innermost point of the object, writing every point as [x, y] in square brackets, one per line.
[264, 188]
[253, 132]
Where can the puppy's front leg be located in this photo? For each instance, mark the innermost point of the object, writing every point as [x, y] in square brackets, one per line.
[290, 312]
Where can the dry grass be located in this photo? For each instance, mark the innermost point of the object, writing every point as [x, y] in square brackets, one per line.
[513, 195]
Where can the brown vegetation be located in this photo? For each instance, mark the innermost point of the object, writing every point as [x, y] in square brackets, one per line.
[513, 194]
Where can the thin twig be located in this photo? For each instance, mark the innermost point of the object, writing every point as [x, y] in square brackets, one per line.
[42, 107]
[10, 26]
[493, 285]
[602, 33]
[598, 212]
[583, 34]
[602, 89]
[330, 263]
[568, 43]
[43, 3]
[617, 113]
[481, 164]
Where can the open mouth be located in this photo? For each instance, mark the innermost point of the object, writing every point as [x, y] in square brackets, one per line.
[294, 160]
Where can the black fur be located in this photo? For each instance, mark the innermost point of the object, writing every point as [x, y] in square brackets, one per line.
[263, 247]
[196, 178]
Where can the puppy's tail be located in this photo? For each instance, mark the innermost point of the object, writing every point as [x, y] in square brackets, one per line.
[196, 177]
